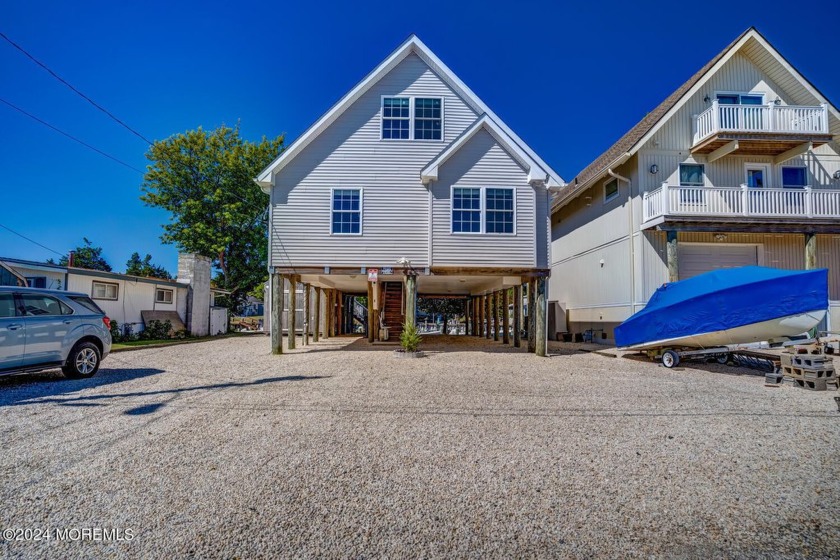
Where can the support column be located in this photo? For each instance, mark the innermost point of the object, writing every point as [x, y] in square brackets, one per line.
[810, 251]
[276, 313]
[540, 317]
[292, 311]
[495, 307]
[316, 334]
[410, 299]
[487, 316]
[673, 260]
[517, 315]
[532, 323]
[505, 317]
[467, 317]
[371, 329]
[307, 314]
[340, 309]
[332, 312]
[476, 317]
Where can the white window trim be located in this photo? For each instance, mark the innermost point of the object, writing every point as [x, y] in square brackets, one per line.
[361, 211]
[483, 209]
[617, 189]
[171, 293]
[411, 99]
[92, 289]
[767, 168]
[782, 176]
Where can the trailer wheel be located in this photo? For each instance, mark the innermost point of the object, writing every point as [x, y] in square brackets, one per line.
[723, 358]
[670, 359]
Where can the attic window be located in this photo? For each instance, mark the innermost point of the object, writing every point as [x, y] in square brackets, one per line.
[412, 118]
[610, 190]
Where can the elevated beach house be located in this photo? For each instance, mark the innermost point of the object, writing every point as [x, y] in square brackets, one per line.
[739, 166]
[408, 185]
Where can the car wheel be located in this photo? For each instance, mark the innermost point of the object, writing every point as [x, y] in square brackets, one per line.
[83, 361]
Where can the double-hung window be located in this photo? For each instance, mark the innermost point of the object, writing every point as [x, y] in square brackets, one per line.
[347, 211]
[162, 295]
[794, 177]
[396, 117]
[415, 118]
[691, 175]
[483, 210]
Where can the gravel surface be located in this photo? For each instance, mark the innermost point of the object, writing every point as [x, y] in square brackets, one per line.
[220, 449]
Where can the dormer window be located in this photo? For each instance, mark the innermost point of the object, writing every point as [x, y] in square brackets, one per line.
[412, 118]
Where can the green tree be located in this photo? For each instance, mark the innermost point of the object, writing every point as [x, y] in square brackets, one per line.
[144, 267]
[86, 256]
[445, 307]
[205, 180]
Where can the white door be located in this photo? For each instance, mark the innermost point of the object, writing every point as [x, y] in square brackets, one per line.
[757, 177]
[697, 258]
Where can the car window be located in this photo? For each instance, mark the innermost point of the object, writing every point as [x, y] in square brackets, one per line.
[7, 305]
[37, 305]
[87, 303]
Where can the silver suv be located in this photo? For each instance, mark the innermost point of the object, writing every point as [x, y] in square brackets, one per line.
[42, 329]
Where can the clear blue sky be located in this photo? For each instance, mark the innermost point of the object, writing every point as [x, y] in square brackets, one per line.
[570, 79]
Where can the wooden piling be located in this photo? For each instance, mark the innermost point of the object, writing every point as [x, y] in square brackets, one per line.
[517, 315]
[276, 313]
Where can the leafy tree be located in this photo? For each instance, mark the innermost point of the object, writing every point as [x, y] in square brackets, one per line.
[445, 307]
[205, 180]
[86, 256]
[144, 267]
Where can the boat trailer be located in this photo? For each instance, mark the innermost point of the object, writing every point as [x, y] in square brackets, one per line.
[743, 357]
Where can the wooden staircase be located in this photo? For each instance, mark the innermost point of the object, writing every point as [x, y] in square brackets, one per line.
[393, 309]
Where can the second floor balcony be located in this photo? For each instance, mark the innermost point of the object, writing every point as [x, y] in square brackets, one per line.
[796, 205]
[759, 129]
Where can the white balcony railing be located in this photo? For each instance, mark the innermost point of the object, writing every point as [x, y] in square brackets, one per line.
[673, 200]
[788, 119]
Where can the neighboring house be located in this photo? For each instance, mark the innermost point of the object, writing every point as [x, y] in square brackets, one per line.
[252, 307]
[131, 300]
[411, 174]
[739, 166]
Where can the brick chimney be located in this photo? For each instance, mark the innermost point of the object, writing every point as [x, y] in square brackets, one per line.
[71, 258]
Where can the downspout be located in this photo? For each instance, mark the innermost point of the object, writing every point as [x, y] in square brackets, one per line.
[618, 177]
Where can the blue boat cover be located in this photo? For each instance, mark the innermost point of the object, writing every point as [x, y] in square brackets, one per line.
[724, 299]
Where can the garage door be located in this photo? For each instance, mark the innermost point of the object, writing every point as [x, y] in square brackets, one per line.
[696, 259]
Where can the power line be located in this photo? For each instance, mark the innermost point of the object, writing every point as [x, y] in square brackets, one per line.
[70, 136]
[31, 240]
[66, 83]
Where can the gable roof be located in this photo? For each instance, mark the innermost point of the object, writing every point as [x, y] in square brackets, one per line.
[534, 170]
[411, 45]
[637, 136]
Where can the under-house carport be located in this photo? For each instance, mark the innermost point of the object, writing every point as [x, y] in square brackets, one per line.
[505, 305]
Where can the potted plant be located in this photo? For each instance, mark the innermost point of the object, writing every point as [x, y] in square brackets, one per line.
[410, 340]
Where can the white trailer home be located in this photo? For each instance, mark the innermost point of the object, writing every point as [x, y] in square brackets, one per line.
[409, 185]
[739, 166]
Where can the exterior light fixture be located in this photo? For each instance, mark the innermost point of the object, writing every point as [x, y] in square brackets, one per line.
[654, 169]
[720, 237]
[837, 175]
[778, 100]
[706, 99]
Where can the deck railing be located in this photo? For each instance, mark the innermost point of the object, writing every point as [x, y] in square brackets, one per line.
[793, 119]
[673, 200]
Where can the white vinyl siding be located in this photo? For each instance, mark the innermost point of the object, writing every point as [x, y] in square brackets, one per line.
[350, 154]
[483, 164]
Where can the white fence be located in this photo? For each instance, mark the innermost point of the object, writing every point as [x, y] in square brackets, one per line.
[740, 201]
[760, 118]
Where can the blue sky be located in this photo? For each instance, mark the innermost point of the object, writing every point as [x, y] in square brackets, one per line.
[569, 78]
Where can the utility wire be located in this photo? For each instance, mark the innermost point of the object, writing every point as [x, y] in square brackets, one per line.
[31, 240]
[70, 136]
[66, 83]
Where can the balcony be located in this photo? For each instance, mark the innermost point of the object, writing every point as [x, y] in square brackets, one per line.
[802, 205]
[770, 130]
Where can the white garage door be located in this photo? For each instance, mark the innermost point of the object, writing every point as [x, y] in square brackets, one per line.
[696, 259]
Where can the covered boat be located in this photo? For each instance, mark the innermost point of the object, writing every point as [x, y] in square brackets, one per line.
[729, 306]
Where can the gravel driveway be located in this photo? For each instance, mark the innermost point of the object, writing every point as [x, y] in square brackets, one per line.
[220, 449]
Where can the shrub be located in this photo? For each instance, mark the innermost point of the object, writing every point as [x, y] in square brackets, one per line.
[410, 339]
[116, 333]
[156, 330]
